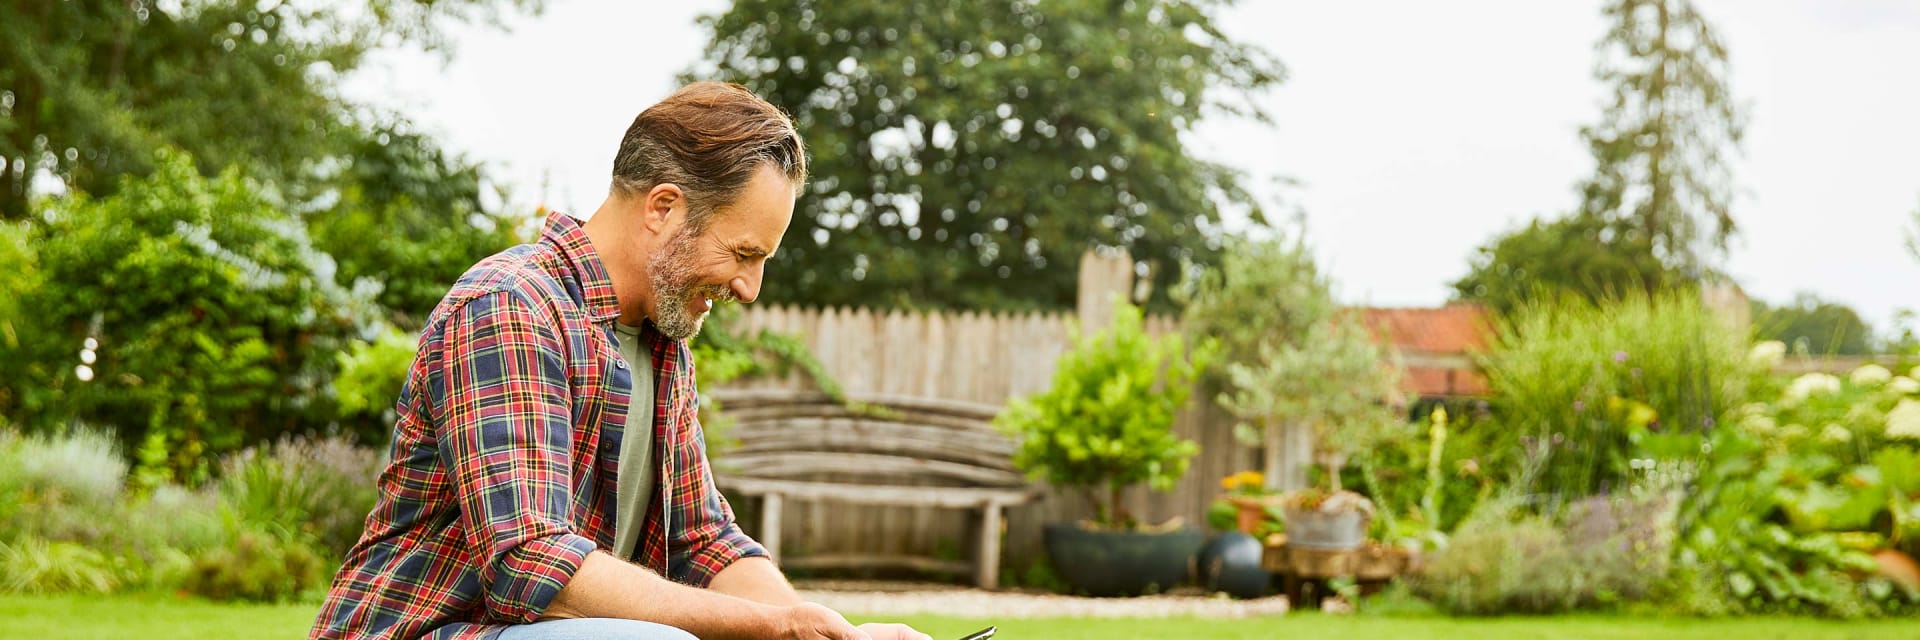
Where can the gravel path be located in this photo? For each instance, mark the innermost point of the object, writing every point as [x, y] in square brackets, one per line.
[893, 598]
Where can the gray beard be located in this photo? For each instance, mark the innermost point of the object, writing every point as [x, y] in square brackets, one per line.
[671, 273]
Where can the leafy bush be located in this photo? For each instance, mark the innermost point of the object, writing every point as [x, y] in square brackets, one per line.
[1426, 478]
[306, 489]
[1107, 420]
[259, 566]
[1794, 496]
[1504, 560]
[35, 566]
[371, 375]
[216, 319]
[1585, 384]
[60, 487]
[19, 278]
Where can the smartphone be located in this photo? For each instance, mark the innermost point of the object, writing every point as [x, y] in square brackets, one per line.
[982, 634]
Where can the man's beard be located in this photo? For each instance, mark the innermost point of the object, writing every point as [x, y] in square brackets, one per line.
[674, 290]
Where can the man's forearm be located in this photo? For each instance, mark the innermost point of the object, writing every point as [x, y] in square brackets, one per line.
[755, 579]
[605, 587]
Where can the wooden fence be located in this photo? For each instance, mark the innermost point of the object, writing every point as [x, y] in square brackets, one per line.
[978, 357]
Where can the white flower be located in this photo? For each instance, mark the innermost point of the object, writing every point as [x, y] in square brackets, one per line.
[1811, 383]
[1767, 355]
[1904, 420]
[1763, 425]
[1871, 375]
[1794, 431]
[1835, 433]
[1904, 385]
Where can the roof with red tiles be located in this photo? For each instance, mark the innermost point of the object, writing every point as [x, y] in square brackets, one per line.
[1432, 341]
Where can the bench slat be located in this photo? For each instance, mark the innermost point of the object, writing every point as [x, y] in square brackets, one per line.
[788, 464]
[942, 497]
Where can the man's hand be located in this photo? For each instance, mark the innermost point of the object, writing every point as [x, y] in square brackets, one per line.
[879, 631]
[810, 621]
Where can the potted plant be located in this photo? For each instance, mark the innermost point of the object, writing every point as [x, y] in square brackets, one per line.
[1106, 424]
[1254, 505]
[1344, 389]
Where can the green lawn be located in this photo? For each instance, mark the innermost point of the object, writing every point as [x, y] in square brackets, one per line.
[161, 618]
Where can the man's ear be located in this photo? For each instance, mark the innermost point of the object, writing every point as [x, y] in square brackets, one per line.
[658, 206]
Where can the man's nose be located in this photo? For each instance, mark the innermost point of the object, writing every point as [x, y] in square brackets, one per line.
[746, 286]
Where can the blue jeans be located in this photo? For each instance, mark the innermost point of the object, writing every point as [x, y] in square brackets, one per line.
[594, 629]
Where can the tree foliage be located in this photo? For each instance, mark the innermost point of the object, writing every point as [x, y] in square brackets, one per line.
[1662, 146]
[89, 88]
[1576, 257]
[1263, 292]
[408, 215]
[965, 154]
[1334, 380]
[216, 317]
[1813, 326]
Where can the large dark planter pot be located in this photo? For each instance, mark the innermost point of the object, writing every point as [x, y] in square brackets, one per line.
[1120, 563]
[1230, 563]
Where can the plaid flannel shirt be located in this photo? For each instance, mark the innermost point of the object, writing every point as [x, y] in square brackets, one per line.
[505, 457]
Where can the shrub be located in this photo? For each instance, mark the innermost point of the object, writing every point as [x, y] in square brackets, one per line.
[216, 318]
[19, 277]
[1602, 552]
[1584, 384]
[1798, 489]
[60, 487]
[312, 489]
[259, 566]
[36, 566]
[1107, 421]
[368, 387]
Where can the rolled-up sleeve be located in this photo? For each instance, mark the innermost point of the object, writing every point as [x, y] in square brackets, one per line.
[506, 437]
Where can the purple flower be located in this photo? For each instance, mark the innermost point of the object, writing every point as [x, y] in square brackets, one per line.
[1619, 356]
[1579, 405]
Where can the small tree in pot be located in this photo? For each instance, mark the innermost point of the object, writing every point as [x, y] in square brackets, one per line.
[1106, 424]
[1344, 388]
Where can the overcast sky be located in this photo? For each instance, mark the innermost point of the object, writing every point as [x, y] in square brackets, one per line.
[1416, 130]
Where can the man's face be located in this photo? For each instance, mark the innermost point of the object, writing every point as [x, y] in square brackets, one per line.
[691, 273]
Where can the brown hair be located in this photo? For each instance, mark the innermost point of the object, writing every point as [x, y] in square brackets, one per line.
[709, 138]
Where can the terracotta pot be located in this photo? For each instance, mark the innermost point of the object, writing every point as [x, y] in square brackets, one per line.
[1250, 511]
[1898, 567]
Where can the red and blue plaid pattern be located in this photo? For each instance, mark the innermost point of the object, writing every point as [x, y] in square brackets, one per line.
[505, 457]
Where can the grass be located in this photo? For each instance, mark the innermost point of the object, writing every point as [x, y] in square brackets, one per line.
[157, 617]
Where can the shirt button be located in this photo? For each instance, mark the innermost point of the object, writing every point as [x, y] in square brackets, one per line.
[620, 363]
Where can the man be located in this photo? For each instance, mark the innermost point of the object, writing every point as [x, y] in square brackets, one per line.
[549, 477]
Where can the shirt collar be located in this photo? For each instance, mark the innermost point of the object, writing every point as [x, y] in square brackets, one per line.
[564, 234]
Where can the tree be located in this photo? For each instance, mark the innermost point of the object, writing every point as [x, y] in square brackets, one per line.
[1579, 257]
[408, 215]
[1815, 326]
[1335, 381]
[1262, 299]
[964, 154]
[1661, 147]
[89, 88]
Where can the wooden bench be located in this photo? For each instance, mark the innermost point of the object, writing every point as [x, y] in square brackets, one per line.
[897, 451]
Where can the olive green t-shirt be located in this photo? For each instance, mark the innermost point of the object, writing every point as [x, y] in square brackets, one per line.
[637, 473]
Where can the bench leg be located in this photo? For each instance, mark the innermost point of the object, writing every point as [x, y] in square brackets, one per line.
[770, 526]
[987, 572]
